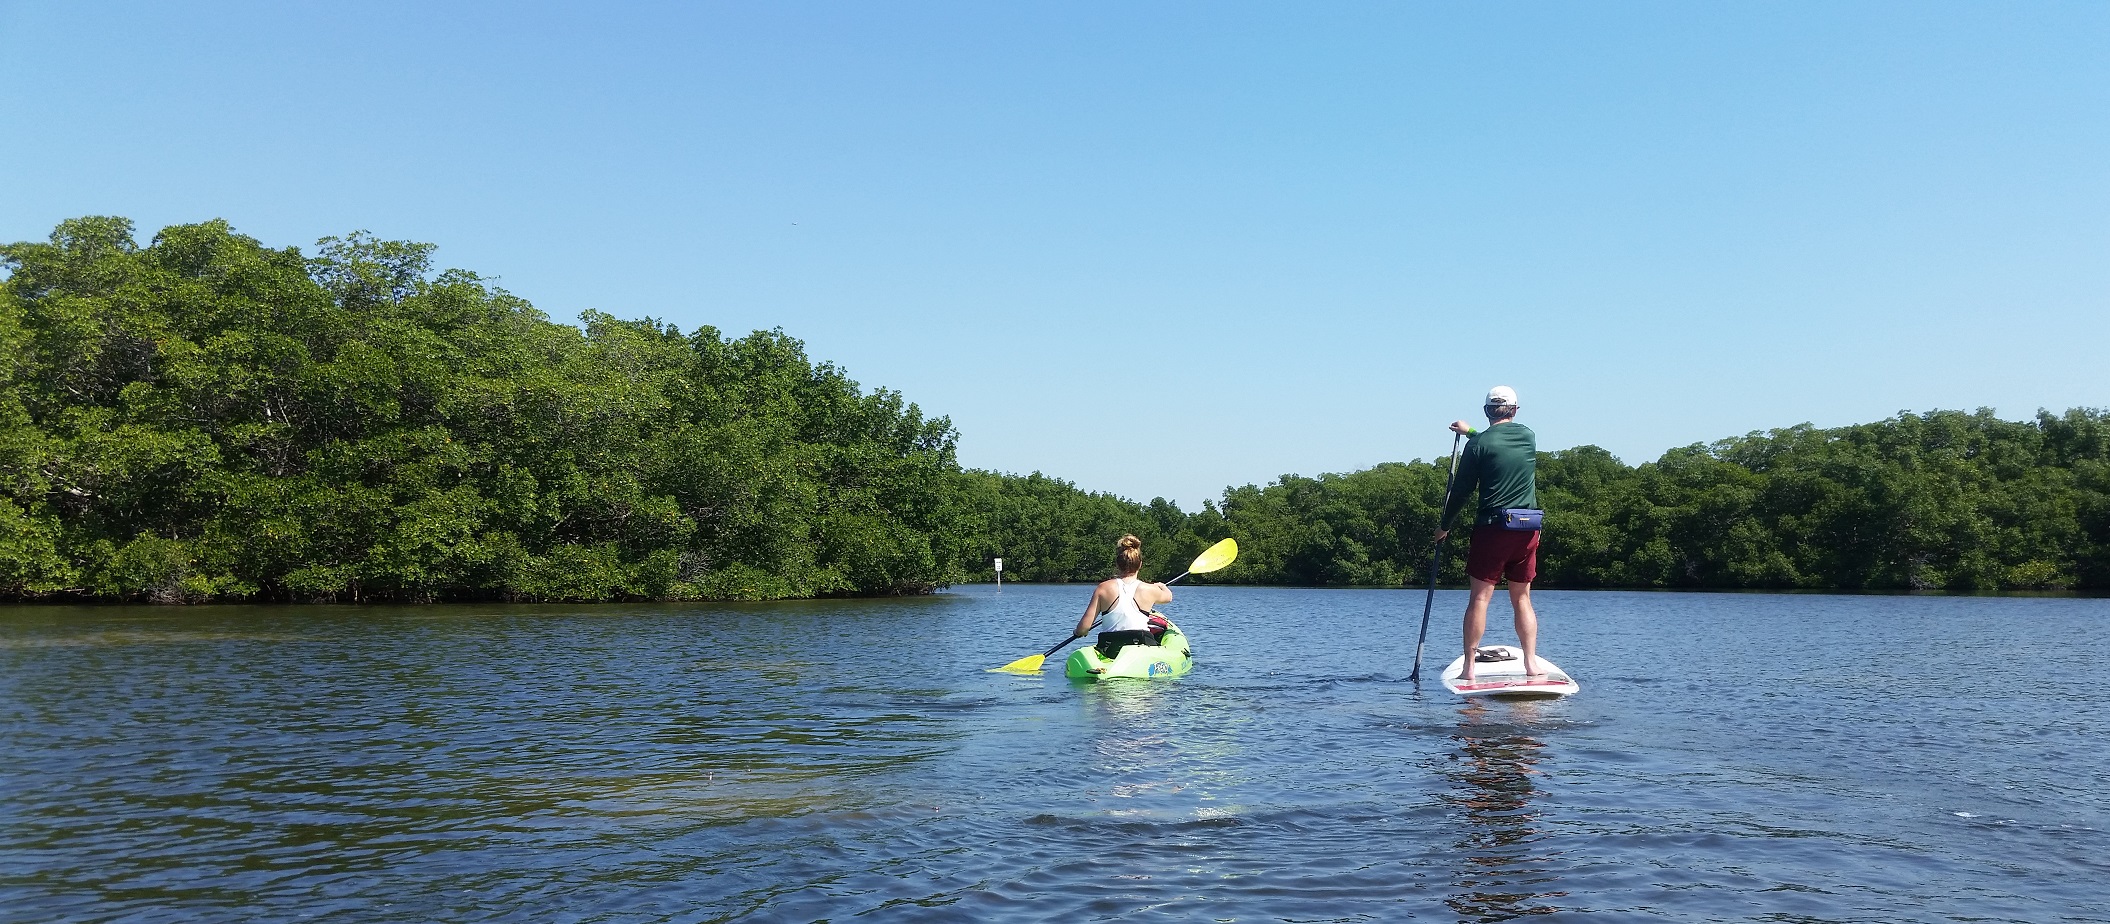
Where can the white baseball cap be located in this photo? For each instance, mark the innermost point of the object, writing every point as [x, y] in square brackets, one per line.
[1501, 396]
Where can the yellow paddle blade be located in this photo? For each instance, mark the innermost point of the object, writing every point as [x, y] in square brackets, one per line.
[1215, 558]
[1029, 664]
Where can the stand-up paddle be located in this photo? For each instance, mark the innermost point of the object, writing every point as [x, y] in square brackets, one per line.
[1435, 562]
[1214, 559]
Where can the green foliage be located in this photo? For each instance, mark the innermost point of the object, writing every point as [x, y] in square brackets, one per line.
[1047, 530]
[1943, 500]
[205, 417]
[208, 418]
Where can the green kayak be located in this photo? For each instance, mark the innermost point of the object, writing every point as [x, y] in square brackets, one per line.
[1170, 658]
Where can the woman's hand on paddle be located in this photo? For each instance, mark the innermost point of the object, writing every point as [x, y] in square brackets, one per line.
[1441, 533]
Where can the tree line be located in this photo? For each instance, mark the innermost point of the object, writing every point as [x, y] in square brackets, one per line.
[1944, 500]
[208, 418]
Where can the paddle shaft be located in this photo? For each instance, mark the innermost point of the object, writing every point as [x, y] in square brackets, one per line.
[1435, 561]
[1065, 643]
[1095, 622]
[1197, 563]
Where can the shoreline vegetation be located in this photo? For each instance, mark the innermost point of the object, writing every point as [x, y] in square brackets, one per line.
[205, 418]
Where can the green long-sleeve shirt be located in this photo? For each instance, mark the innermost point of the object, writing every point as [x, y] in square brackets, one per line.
[1503, 462]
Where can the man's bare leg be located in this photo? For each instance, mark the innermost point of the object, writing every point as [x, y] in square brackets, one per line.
[1475, 621]
[1527, 626]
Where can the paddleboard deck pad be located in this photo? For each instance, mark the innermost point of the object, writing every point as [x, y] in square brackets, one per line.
[1499, 672]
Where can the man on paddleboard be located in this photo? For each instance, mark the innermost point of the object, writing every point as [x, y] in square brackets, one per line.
[1502, 462]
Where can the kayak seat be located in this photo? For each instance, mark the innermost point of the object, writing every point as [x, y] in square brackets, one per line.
[1111, 643]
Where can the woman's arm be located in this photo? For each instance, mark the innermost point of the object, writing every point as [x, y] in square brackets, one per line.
[1150, 595]
[1092, 609]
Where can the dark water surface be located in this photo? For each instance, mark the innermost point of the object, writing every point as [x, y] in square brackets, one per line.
[1731, 757]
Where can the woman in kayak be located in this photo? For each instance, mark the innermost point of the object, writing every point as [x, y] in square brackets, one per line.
[1120, 606]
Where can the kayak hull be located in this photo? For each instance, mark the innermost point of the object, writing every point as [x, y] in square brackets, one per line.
[1169, 658]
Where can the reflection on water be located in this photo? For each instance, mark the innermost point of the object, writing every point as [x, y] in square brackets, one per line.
[1116, 703]
[853, 760]
[1503, 871]
[1131, 746]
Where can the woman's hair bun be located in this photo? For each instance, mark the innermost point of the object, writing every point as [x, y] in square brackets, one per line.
[1128, 554]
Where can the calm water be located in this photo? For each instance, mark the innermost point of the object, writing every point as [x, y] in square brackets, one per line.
[1731, 757]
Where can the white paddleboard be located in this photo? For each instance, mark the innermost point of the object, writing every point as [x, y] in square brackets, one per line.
[1505, 678]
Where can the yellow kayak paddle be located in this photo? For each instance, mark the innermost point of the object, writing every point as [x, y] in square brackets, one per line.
[1217, 556]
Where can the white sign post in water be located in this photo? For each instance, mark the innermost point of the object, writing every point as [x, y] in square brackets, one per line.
[999, 575]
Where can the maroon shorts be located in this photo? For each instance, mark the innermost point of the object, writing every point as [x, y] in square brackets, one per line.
[1498, 553]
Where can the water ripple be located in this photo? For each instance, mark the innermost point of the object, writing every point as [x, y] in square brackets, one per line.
[818, 762]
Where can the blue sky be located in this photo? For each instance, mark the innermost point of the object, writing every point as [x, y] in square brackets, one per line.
[1159, 249]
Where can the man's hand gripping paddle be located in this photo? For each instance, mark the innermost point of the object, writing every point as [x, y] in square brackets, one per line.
[1218, 556]
[1435, 562]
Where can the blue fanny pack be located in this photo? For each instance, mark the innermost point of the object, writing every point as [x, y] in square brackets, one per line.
[1521, 519]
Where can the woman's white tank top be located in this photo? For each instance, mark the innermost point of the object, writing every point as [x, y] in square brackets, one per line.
[1125, 616]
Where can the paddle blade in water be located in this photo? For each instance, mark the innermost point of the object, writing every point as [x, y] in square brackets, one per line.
[1216, 557]
[1029, 664]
